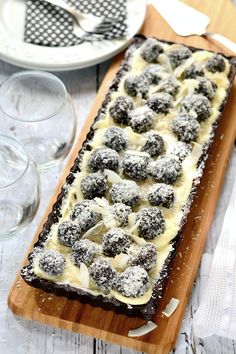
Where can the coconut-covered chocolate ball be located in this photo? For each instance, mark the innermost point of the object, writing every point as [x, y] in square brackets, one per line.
[150, 50]
[116, 139]
[103, 275]
[135, 165]
[154, 145]
[161, 102]
[94, 185]
[68, 232]
[81, 206]
[216, 64]
[120, 108]
[126, 192]
[186, 127]
[178, 56]
[169, 85]
[166, 169]
[133, 282]
[52, 262]
[84, 216]
[84, 251]
[104, 158]
[161, 194]
[154, 74]
[150, 223]
[136, 85]
[206, 87]
[145, 257]
[121, 213]
[115, 241]
[181, 150]
[141, 119]
[199, 105]
[193, 71]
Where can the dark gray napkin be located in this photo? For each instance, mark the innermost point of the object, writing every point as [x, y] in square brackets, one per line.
[48, 25]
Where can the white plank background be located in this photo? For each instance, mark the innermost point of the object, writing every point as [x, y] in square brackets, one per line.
[18, 336]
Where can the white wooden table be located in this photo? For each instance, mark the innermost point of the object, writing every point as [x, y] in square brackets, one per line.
[18, 336]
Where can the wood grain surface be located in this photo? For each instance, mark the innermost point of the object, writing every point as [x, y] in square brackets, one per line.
[60, 312]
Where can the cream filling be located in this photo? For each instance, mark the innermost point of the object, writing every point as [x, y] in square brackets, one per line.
[182, 187]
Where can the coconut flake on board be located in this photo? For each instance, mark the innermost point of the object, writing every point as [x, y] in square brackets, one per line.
[141, 331]
[171, 307]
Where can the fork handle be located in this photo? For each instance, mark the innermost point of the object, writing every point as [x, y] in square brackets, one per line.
[223, 40]
[60, 3]
[63, 5]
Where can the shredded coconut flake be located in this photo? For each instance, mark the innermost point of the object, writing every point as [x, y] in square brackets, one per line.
[171, 307]
[84, 275]
[102, 201]
[97, 209]
[110, 223]
[138, 153]
[120, 261]
[132, 219]
[181, 68]
[112, 176]
[134, 138]
[141, 331]
[134, 229]
[165, 62]
[140, 241]
[94, 230]
[104, 208]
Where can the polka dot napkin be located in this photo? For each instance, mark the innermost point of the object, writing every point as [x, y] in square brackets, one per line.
[48, 25]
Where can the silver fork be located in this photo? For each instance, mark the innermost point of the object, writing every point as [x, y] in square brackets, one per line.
[87, 22]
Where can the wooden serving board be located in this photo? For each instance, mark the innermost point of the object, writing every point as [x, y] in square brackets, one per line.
[34, 304]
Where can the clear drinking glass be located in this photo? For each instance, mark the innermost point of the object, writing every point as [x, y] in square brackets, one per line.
[37, 110]
[19, 187]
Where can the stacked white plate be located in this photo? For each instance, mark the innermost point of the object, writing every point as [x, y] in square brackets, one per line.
[15, 51]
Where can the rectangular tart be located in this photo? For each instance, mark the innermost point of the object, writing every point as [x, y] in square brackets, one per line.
[112, 234]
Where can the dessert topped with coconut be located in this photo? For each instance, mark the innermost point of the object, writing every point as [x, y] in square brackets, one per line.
[134, 185]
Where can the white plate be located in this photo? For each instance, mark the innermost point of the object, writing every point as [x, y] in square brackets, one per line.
[15, 51]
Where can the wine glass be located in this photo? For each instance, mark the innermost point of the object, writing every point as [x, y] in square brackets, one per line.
[19, 187]
[37, 110]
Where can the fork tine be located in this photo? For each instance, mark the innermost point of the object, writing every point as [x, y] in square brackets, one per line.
[107, 22]
[99, 32]
[99, 29]
[102, 30]
[103, 26]
[81, 33]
